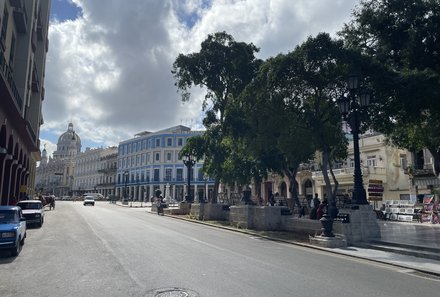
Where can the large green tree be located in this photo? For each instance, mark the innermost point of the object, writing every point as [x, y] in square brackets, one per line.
[291, 108]
[404, 38]
[222, 67]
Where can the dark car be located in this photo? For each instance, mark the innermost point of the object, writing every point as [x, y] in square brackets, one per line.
[12, 229]
[33, 211]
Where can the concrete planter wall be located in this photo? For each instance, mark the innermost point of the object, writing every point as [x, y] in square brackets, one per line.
[256, 217]
[363, 225]
[209, 212]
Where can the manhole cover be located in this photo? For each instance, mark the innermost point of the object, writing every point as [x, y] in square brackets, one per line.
[172, 292]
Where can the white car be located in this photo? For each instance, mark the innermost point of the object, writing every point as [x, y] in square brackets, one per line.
[89, 200]
[33, 211]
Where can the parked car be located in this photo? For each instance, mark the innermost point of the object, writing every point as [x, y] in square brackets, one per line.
[33, 211]
[89, 200]
[12, 229]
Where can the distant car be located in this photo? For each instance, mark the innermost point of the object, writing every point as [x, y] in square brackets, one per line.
[89, 200]
[33, 211]
[12, 229]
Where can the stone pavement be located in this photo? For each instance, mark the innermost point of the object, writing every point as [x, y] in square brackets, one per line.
[412, 246]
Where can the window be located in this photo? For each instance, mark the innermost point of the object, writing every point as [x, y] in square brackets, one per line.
[156, 174]
[147, 174]
[371, 161]
[157, 157]
[180, 141]
[148, 158]
[4, 25]
[12, 53]
[179, 174]
[144, 145]
[350, 163]
[157, 142]
[168, 174]
[129, 148]
[403, 161]
[143, 159]
[200, 175]
[169, 157]
[169, 141]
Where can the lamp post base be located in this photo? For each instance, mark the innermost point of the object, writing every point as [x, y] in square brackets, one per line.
[327, 226]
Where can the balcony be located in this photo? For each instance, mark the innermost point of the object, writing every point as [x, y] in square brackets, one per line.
[107, 170]
[20, 15]
[9, 80]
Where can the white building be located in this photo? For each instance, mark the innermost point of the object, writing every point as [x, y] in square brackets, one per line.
[150, 161]
[382, 165]
[95, 171]
[55, 174]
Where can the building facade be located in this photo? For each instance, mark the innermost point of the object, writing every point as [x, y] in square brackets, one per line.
[95, 171]
[150, 161]
[55, 174]
[23, 48]
[384, 172]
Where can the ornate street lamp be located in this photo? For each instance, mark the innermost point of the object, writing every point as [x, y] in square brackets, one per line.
[351, 108]
[189, 162]
[126, 174]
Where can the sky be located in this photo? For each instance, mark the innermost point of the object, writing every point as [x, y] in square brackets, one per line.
[108, 68]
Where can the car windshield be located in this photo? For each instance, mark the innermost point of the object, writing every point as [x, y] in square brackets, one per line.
[7, 216]
[30, 205]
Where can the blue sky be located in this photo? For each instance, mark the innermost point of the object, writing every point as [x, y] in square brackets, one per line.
[108, 68]
[63, 10]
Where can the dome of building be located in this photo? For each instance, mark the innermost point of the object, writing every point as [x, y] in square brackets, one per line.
[69, 144]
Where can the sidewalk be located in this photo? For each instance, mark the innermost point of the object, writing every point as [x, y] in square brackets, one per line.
[400, 233]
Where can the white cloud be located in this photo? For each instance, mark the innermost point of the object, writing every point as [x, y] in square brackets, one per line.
[109, 71]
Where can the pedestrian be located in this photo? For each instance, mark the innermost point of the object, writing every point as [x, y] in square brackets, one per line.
[302, 211]
[316, 201]
[271, 199]
[320, 211]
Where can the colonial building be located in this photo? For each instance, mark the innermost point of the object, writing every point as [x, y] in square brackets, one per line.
[150, 161]
[55, 175]
[95, 171]
[23, 48]
[384, 171]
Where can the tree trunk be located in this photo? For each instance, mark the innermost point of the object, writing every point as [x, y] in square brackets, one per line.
[328, 186]
[215, 192]
[291, 175]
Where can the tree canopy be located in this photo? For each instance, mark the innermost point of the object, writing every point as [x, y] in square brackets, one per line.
[404, 38]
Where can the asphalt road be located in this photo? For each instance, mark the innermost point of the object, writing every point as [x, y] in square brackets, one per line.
[108, 250]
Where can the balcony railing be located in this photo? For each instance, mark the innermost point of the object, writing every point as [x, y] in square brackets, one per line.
[107, 170]
[6, 70]
[341, 171]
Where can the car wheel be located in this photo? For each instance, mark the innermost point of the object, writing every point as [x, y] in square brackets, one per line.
[17, 249]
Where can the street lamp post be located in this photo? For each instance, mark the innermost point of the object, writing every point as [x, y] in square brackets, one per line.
[189, 162]
[126, 174]
[351, 108]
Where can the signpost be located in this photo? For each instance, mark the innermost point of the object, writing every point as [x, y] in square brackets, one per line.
[375, 191]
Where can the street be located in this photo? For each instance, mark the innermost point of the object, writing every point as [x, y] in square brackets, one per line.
[108, 250]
